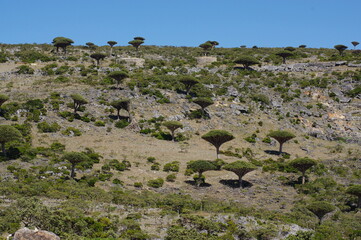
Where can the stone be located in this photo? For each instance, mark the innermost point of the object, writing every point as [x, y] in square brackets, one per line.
[354, 65]
[232, 91]
[27, 234]
[340, 63]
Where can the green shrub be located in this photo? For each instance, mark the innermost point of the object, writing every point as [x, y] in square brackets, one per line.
[171, 178]
[99, 123]
[267, 140]
[251, 139]
[151, 159]
[121, 123]
[260, 98]
[48, 128]
[61, 79]
[3, 57]
[156, 183]
[138, 184]
[105, 176]
[117, 181]
[171, 167]
[162, 135]
[24, 69]
[31, 56]
[155, 166]
[71, 131]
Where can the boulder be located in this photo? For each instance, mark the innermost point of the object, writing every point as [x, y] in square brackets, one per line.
[27, 234]
[340, 63]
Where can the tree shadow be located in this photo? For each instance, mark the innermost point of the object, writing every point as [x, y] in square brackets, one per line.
[193, 183]
[115, 117]
[116, 88]
[197, 114]
[277, 153]
[272, 152]
[232, 183]
[244, 68]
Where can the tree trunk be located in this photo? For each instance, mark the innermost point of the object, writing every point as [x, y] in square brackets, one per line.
[199, 180]
[130, 119]
[284, 60]
[303, 178]
[72, 174]
[118, 110]
[3, 149]
[359, 202]
[75, 107]
[240, 182]
[203, 113]
[281, 144]
[217, 151]
[173, 135]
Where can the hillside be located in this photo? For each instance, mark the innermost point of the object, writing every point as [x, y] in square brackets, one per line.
[315, 95]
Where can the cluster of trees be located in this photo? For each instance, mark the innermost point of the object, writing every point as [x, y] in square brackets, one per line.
[63, 43]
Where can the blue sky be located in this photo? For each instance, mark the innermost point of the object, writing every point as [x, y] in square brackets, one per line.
[265, 23]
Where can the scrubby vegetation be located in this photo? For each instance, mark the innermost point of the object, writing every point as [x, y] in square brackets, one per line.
[73, 163]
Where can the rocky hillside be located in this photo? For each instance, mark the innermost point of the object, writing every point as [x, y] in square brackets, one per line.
[133, 182]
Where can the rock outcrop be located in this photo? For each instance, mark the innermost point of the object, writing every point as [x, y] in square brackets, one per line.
[27, 234]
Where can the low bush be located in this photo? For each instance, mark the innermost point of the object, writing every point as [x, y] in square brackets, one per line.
[71, 131]
[121, 124]
[171, 167]
[45, 127]
[171, 178]
[156, 183]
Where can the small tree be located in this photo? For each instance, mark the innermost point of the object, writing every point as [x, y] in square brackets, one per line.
[207, 46]
[172, 126]
[291, 49]
[320, 209]
[246, 61]
[188, 82]
[201, 166]
[62, 42]
[240, 168]
[214, 43]
[356, 191]
[78, 100]
[75, 158]
[118, 76]
[3, 98]
[139, 38]
[98, 57]
[137, 42]
[302, 46]
[302, 165]
[217, 138]
[203, 103]
[122, 104]
[91, 45]
[284, 55]
[281, 137]
[111, 44]
[354, 43]
[8, 134]
[340, 48]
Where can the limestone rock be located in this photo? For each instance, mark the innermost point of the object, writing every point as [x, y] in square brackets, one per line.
[27, 234]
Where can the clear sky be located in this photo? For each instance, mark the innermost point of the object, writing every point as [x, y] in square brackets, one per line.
[265, 23]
